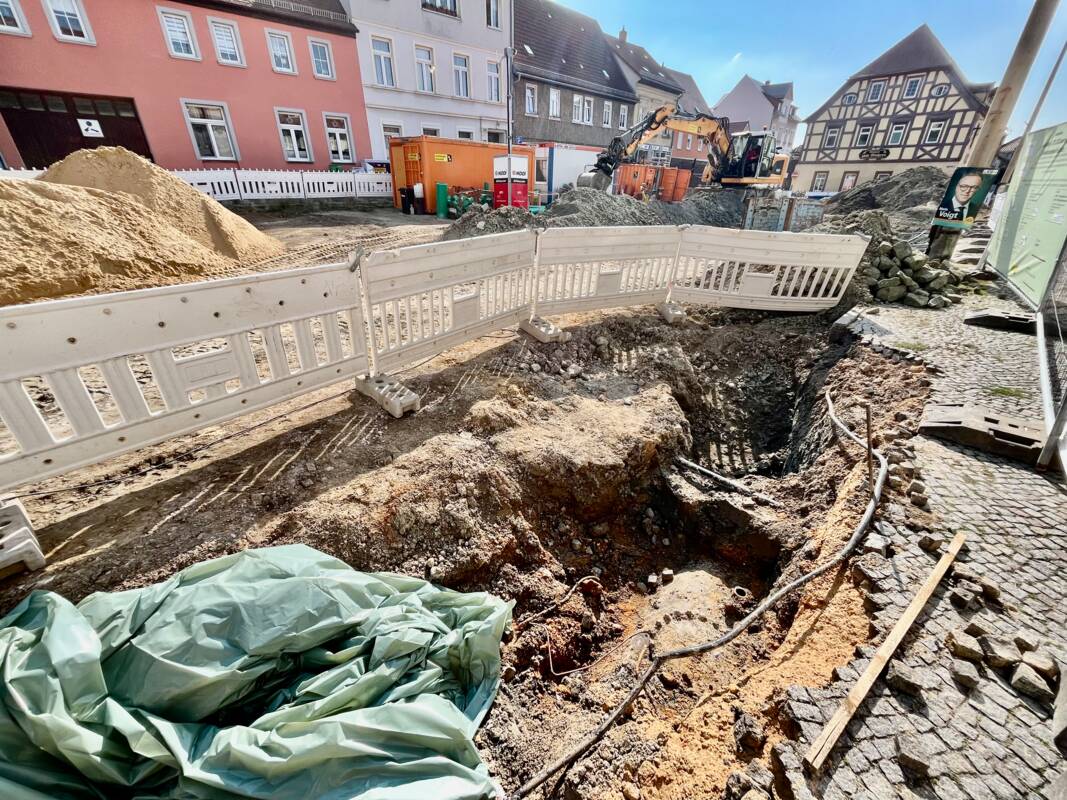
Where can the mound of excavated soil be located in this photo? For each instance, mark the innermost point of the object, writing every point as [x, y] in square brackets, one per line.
[584, 207]
[912, 187]
[59, 240]
[116, 169]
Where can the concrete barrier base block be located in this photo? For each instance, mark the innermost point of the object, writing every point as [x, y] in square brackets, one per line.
[390, 394]
[19, 549]
[543, 330]
[672, 313]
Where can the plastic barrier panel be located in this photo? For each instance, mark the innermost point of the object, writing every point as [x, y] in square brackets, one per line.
[269, 184]
[329, 184]
[373, 185]
[425, 299]
[91, 377]
[220, 184]
[584, 268]
[757, 269]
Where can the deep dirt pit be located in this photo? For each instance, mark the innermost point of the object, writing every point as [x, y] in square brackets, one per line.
[521, 476]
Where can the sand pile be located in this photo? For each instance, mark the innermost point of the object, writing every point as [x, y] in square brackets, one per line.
[59, 240]
[904, 190]
[116, 169]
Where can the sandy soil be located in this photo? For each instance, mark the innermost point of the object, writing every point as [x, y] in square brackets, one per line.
[521, 483]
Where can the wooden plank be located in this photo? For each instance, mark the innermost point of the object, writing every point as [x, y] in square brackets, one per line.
[824, 744]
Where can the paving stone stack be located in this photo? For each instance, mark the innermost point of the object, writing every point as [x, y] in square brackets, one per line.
[895, 273]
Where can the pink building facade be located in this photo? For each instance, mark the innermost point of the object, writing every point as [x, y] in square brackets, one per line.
[255, 84]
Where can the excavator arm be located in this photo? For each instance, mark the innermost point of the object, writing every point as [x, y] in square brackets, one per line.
[713, 130]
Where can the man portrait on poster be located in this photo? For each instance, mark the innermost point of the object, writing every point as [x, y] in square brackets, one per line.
[966, 192]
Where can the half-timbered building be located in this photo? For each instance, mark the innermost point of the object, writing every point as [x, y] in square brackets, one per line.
[911, 106]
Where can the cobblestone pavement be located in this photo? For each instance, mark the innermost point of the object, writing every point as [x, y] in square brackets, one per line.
[988, 741]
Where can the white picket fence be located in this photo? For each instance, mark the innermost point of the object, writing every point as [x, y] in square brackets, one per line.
[88, 378]
[268, 184]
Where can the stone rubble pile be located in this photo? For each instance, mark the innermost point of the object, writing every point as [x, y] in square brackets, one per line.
[894, 272]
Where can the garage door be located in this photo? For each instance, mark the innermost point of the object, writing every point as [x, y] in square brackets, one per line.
[48, 126]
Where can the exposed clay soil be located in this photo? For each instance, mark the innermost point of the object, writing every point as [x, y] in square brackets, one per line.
[522, 481]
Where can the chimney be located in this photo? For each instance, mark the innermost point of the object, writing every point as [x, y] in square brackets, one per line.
[622, 35]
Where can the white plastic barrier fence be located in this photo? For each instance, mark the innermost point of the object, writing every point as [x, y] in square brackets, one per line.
[88, 378]
[328, 184]
[580, 268]
[168, 361]
[220, 184]
[760, 269]
[425, 299]
[266, 184]
[20, 174]
[269, 184]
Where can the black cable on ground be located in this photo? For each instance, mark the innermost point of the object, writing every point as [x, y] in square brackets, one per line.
[705, 647]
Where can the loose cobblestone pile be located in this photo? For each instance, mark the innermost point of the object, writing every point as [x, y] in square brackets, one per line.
[955, 715]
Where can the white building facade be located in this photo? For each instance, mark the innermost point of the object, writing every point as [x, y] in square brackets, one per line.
[433, 67]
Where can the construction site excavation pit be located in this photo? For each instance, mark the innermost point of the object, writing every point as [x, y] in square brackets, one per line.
[548, 474]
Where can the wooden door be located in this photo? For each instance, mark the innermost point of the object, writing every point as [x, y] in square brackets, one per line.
[49, 126]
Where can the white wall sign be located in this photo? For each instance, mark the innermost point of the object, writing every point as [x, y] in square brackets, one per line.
[91, 128]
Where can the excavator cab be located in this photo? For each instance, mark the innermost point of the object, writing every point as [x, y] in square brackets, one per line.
[752, 159]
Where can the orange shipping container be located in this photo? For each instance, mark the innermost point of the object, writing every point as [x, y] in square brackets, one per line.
[460, 163]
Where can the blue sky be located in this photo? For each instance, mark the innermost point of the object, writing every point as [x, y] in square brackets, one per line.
[817, 44]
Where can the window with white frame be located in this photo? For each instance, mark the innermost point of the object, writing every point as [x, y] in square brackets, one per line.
[863, 135]
[605, 119]
[383, 61]
[281, 52]
[830, 138]
[424, 68]
[450, 7]
[68, 21]
[492, 13]
[531, 100]
[339, 139]
[689, 141]
[680, 142]
[587, 110]
[896, 133]
[292, 127]
[209, 126]
[911, 87]
[430, 131]
[227, 42]
[553, 103]
[875, 91]
[391, 131]
[12, 19]
[624, 112]
[493, 82]
[465, 134]
[700, 143]
[178, 31]
[321, 59]
[576, 109]
[940, 90]
[934, 132]
[849, 99]
[818, 181]
[461, 75]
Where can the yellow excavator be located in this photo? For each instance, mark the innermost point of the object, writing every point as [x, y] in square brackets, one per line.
[748, 158]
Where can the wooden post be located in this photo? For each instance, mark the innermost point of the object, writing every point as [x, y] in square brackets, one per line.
[824, 744]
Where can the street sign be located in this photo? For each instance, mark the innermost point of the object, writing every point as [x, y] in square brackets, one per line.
[874, 154]
[91, 128]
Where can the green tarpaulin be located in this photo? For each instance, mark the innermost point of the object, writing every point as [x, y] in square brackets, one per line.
[275, 673]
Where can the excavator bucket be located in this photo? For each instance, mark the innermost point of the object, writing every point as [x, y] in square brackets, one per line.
[594, 179]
